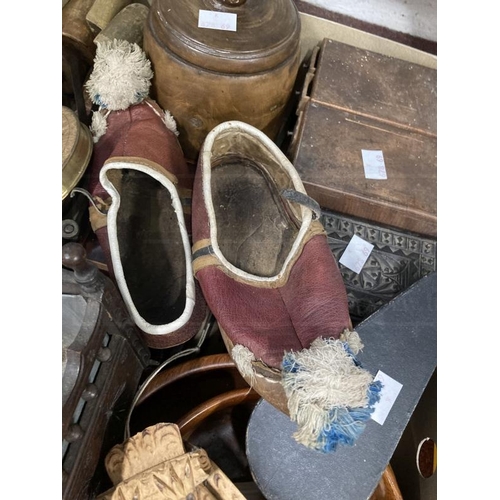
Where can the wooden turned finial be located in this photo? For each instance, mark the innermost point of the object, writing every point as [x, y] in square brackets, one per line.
[74, 257]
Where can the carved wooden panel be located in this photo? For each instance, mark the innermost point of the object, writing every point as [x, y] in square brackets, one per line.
[104, 360]
[397, 260]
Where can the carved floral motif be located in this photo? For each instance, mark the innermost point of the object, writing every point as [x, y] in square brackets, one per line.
[397, 260]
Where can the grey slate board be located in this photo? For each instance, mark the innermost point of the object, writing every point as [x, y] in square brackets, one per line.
[400, 340]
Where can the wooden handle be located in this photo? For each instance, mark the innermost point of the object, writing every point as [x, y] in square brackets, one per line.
[387, 488]
[187, 369]
[190, 422]
[74, 257]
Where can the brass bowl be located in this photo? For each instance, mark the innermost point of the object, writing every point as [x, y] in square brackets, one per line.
[77, 147]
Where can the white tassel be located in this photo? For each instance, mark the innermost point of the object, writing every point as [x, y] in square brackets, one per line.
[243, 357]
[169, 121]
[121, 75]
[329, 395]
[329, 375]
[98, 126]
[353, 341]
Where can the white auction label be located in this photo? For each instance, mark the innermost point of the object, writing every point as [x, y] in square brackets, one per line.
[217, 20]
[373, 162]
[390, 391]
[356, 253]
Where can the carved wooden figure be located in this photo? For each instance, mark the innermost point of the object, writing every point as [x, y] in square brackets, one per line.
[153, 464]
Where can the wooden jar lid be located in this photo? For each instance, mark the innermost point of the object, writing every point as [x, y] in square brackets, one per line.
[267, 33]
[77, 149]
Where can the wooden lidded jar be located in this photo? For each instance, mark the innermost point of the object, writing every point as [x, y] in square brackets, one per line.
[206, 76]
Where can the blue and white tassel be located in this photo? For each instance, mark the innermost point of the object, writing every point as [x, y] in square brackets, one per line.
[330, 396]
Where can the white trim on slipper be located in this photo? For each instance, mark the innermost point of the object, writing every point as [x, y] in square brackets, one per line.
[115, 251]
[206, 157]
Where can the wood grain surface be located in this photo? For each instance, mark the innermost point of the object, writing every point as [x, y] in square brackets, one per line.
[193, 419]
[205, 77]
[353, 100]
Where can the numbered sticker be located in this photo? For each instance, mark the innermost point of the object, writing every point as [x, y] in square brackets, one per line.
[390, 391]
[217, 20]
[356, 253]
[374, 164]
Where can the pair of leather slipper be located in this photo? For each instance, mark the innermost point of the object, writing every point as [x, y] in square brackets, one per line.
[250, 248]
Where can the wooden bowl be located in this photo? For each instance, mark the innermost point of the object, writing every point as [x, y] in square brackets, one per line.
[211, 403]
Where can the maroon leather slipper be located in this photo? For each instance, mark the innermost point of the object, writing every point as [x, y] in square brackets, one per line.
[262, 259]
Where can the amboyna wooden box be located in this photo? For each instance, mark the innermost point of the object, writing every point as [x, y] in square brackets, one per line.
[355, 99]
